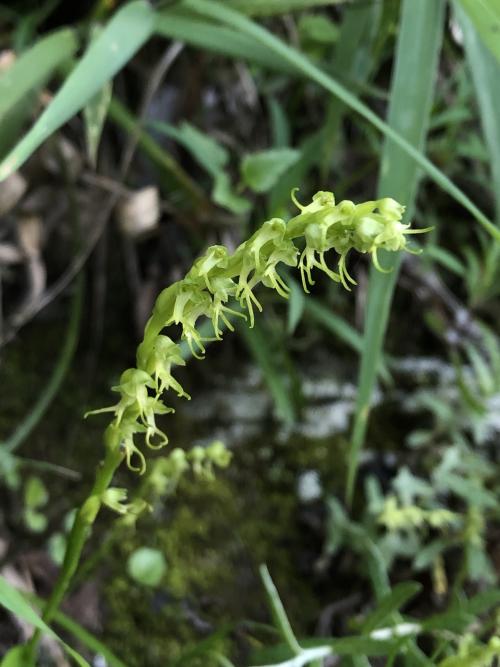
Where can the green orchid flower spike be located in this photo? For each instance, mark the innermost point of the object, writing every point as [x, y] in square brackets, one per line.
[218, 278]
[215, 281]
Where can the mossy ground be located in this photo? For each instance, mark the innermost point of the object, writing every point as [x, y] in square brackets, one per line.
[214, 536]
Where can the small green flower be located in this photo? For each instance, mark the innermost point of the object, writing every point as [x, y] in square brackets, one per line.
[158, 362]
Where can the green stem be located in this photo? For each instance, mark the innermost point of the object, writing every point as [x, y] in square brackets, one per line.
[80, 531]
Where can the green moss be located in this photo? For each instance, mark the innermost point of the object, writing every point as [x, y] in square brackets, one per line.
[214, 535]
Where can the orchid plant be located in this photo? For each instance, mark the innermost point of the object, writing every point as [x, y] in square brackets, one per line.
[217, 282]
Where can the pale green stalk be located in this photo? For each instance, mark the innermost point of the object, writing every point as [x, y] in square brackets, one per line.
[80, 531]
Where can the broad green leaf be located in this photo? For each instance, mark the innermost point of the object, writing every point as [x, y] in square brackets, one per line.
[447, 259]
[485, 69]
[35, 493]
[94, 115]
[180, 25]
[427, 555]
[14, 657]
[310, 656]
[271, 7]
[261, 171]
[390, 603]
[478, 564]
[361, 645]
[485, 15]
[34, 66]
[486, 78]
[35, 497]
[57, 547]
[20, 84]
[419, 40]
[482, 602]
[450, 621]
[296, 305]
[471, 490]
[36, 521]
[344, 646]
[12, 600]
[210, 155]
[224, 195]
[318, 28]
[278, 611]
[147, 566]
[126, 32]
[280, 123]
[207, 151]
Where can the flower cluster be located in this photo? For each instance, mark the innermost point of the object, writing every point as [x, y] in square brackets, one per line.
[219, 279]
[164, 476]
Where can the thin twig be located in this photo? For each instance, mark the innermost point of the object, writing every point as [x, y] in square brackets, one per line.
[155, 80]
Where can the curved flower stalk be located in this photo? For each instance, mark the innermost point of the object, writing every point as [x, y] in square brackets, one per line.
[213, 283]
[217, 278]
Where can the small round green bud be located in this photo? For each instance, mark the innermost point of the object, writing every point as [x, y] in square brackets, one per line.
[390, 208]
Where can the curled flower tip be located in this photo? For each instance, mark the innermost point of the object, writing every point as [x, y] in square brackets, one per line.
[274, 280]
[414, 251]
[305, 265]
[199, 351]
[324, 267]
[219, 311]
[195, 341]
[344, 273]
[247, 299]
[131, 452]
[153, 432]
[295, 200]
[376, 262]
[154, 407]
